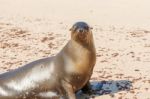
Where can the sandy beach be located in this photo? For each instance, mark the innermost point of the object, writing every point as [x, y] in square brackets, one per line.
[34, 29]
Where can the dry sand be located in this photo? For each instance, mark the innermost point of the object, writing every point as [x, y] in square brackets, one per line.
[33, 29]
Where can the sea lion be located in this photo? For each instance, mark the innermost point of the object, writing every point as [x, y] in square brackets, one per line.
[57, 77]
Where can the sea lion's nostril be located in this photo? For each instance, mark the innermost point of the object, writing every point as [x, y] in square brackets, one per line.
[81, 30]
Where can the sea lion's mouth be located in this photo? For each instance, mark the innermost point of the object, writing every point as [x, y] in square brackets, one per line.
[82, 35]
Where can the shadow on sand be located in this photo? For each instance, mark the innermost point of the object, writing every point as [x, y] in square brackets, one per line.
[106, 87]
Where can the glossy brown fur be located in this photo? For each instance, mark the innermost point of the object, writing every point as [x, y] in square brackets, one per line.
[67, 72]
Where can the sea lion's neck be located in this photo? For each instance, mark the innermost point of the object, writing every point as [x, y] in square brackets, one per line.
[75, 49]
[87, 44]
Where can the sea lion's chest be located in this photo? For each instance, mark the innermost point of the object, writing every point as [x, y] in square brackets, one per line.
[78, 63]
[78, 70]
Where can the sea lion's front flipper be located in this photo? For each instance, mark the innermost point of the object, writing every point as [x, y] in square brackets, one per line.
[69, 91]
[87, 89]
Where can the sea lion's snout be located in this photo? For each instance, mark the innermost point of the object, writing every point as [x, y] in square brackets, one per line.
[82, 33]
[80, 30]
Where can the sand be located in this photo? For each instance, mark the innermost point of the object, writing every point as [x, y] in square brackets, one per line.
[33, 29]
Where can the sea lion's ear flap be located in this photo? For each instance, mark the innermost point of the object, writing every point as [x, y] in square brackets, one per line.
[91, 28]
[70, 29]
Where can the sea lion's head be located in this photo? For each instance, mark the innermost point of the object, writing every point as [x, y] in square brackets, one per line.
[81, 32]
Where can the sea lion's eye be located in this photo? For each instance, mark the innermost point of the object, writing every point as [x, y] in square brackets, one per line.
[86, 27]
